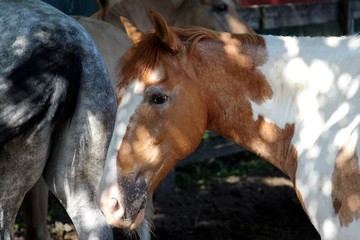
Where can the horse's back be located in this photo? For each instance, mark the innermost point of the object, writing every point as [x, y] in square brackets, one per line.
[111, 41]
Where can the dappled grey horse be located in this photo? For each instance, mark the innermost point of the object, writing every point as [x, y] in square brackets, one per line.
[57, 108]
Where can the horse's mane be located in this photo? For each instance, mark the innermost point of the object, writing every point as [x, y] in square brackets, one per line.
[249, 38]
[144, 55]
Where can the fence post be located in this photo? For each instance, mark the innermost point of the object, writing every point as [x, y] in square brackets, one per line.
[345, 17]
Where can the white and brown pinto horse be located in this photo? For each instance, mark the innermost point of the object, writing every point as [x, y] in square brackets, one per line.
[57, 106]
[219, 15]
[293, 101]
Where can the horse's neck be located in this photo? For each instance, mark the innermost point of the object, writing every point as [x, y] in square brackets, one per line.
[300, 75]
[258, 136]
[231, 115]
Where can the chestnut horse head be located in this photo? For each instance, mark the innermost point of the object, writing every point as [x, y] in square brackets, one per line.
[162, 112]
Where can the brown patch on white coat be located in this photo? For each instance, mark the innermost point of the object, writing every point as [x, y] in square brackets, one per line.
[346, 186]
[198, 90]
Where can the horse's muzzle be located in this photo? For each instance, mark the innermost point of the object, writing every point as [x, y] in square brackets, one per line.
[123, 205]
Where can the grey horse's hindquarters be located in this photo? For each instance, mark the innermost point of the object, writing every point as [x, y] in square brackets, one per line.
[74, 172]
[38, 90]
[57, 107]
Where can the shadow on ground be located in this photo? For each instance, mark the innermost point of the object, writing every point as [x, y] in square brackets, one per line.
[255, 207]
[258, 205]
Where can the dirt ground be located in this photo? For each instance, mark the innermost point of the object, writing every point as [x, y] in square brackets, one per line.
[243, 208]
[258, 206]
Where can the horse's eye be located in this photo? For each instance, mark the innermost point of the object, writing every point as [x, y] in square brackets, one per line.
[158, 98]
[221, 7]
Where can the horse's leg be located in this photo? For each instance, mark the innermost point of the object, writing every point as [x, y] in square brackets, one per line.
[73, 172]
[22, 161]
[35, 207]
[144, 231]
[73, 175]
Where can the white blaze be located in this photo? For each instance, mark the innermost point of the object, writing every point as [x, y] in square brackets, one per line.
[129, 103]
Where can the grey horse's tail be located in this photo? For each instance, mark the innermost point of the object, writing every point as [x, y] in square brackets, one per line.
[43, 88]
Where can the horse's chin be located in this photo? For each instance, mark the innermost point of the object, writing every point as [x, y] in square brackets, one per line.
[128, 225]
[139, 218]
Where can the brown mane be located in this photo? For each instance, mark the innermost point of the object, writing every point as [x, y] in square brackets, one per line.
[249, 38]
[144, 56]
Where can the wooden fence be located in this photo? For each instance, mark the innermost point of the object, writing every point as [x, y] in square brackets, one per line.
[342, 12]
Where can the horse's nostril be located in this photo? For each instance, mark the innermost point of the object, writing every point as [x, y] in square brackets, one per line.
[114, 205]
[116, 210]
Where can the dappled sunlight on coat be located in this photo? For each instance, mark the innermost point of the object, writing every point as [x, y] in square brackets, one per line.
[275, 96]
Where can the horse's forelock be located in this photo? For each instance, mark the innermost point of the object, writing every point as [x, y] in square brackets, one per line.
[141, 58]
[144, 56]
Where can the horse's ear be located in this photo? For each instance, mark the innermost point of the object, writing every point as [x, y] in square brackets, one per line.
[133, 32]
[164, 33]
